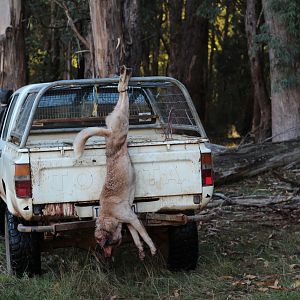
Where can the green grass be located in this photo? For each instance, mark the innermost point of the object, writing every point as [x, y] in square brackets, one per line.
[238, 260]
[241, 261]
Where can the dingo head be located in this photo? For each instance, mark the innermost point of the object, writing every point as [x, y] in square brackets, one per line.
[108, 234]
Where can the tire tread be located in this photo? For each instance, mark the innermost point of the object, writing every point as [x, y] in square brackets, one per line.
[25, 252]
[183, 247]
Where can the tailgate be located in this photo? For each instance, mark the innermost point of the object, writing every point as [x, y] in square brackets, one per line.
[162, 169]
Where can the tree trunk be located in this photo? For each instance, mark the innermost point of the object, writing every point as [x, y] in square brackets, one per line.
[89, 58]
[176, 37]
[285, 101]
[262, 104]
[145, 57]
[107, 34]
[116, 35]
[156, 40]
[229, 6]
[210, 74]
[132, 35]
[53, 46]
[12, 57]
[189, 50]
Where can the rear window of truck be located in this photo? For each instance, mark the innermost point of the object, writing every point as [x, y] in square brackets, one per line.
[88, 105]
[159, 104]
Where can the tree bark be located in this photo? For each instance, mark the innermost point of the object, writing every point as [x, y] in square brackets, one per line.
[107, 31]
[132, 35]
[12, 56]
[229, 5]
[285, 101]
[189, 50]
[156, 40]
[176, 37]
[210, 74]
[262, 104]
[89, 58]
[116, 35]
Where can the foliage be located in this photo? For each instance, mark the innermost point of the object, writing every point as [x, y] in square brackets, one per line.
[286, 46]
[52, 49]
[154, 34]
[210, 10]
[230, 102]
[54, 52]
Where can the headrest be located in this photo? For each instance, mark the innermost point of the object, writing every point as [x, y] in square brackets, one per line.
[5, 95]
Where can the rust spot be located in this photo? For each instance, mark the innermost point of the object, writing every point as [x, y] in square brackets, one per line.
[59, 210]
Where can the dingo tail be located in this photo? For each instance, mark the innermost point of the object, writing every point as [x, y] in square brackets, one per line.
[82, 137]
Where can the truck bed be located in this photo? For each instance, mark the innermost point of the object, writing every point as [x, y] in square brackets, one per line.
[163, 168]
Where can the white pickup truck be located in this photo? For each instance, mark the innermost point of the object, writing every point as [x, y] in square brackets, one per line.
[49, 199]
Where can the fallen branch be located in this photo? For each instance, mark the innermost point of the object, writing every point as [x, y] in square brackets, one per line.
[280, 177]
[233, 164]
[278, 208]
[253, 201]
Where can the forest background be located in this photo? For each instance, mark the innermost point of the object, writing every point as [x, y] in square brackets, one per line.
[238, 58]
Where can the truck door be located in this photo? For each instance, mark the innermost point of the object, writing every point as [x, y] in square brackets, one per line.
[5, 118]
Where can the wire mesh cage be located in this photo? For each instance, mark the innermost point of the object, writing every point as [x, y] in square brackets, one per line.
[172, 105]
[159, 103]
[91, 103]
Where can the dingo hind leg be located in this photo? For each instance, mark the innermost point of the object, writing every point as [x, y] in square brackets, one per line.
[125, 75]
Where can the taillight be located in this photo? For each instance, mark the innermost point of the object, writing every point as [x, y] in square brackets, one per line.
[23, 181]
[206, 169]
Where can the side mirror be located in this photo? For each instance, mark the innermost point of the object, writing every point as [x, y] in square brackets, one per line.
[5, 97]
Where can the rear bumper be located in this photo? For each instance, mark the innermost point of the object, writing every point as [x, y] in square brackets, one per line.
[81, 211]
[149, 219]
[58, 227]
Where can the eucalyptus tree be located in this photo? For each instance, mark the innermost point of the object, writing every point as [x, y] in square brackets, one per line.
[283, 38]
[12, 59]
[189, 49]
[116, 35]
[261, 124]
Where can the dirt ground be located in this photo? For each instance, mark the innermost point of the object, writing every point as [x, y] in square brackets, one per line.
[257, 244]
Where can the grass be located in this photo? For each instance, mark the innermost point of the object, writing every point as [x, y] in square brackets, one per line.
[247, 261]
[238, 260]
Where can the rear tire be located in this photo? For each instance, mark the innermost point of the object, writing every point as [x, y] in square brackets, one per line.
[2, 217]
[23, 253]
[183, 247]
